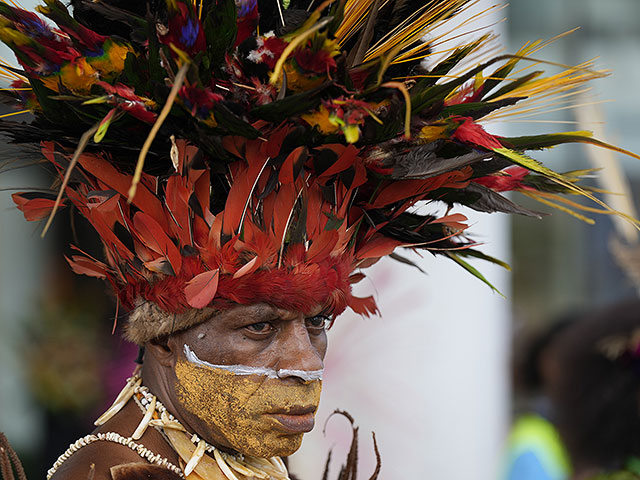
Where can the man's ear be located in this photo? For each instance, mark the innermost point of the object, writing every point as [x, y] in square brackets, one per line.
[164, 350]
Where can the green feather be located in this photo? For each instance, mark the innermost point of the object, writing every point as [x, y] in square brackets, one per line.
[478, 254]
[472, 270]
[220, 27]
[232, 124]
[537, 142]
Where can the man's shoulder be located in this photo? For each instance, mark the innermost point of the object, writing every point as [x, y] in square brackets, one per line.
[109, 461]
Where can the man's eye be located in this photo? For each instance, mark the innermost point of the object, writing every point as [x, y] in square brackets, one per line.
[260, 327]
[319, 322]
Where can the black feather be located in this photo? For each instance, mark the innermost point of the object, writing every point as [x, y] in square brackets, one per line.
[483, 199]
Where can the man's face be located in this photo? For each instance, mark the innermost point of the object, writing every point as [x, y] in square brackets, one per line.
[249, 379]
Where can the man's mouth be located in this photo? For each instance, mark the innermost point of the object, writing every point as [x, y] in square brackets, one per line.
[295, 419]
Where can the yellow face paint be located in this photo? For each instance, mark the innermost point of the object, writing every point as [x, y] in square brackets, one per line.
[256, 415]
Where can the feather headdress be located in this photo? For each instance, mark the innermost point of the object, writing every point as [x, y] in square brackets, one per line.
[234, 151]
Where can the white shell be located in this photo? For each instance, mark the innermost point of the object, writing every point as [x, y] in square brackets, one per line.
[223, 466]
[142, 427]
[195, 458]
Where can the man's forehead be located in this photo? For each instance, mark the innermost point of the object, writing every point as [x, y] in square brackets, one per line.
[265, 310]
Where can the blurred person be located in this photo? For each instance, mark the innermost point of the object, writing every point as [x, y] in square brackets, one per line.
[534, 449]
[242, 165]
[596, 394]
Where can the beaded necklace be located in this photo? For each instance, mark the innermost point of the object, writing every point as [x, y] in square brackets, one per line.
[196, 456]
[141, 450]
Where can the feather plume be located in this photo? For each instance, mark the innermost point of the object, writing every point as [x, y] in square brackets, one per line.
[276, 148]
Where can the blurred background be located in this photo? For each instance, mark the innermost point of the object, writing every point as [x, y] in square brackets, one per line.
[433, 375]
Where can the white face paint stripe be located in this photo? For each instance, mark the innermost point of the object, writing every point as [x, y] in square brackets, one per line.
[306, 375]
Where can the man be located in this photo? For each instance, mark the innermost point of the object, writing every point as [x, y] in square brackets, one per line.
[238, 407]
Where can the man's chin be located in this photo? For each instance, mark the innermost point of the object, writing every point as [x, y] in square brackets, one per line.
[272, 445]
[267, 437]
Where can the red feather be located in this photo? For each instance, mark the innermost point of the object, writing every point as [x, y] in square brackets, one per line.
[34, 208]
[107, 173]
[241, 192]
[506, 180]
[153, 236]
[201, 189]
[48, 151]
[159, 265]
[201, 289]
[186, 153]
[378, 246]
[284, 203]
[322, 245]
[364, 306]
[403, 189]
[107, 205]
[85, 266]
[201, 230]
[292, 163]
[248, 268]
[315, 217]
[470, 132]
[360, 178]
[273, 146]
[214, 239]
[453, 221]
[356, 277]
[347, 157]
[105, 230]
[177, 200]
[234, 145]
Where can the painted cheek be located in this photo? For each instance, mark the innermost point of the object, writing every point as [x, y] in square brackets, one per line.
[238, 407]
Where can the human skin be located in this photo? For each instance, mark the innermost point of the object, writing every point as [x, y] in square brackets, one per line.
[255, 335]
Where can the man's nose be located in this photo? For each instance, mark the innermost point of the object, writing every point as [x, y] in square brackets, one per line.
[299, 358]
